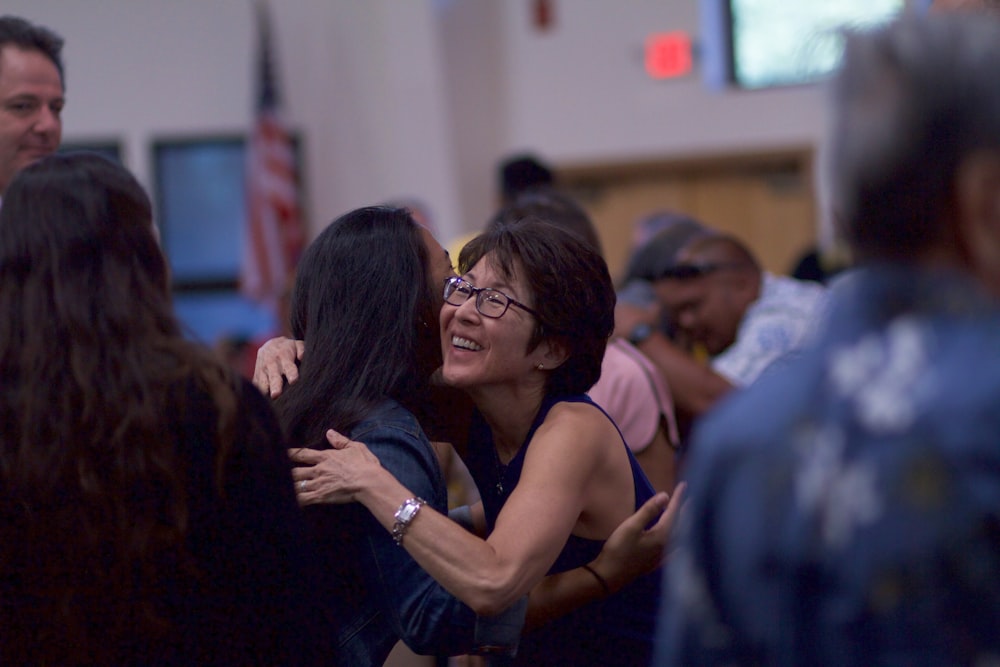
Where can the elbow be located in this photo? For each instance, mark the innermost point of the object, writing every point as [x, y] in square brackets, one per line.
[494, 606]
[493, 597]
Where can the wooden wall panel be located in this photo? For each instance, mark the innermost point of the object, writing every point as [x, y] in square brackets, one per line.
[766, 200]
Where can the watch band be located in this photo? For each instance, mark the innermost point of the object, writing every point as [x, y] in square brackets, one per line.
[405, 515]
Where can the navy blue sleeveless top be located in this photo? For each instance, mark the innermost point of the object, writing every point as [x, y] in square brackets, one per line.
[616, 631]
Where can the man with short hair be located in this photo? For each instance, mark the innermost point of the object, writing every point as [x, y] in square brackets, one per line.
[845, 509]
[745, 318]
[719, 300]
[31, 95]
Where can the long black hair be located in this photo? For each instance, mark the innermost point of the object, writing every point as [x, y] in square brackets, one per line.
[362, 304]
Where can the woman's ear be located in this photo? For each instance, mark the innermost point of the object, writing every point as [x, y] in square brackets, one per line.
[550, 355]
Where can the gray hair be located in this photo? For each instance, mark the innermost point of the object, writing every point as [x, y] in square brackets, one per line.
[911, 101]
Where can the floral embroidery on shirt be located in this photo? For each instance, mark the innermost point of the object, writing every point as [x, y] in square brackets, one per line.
[867, 494]
[878, 375]
[843, 495]
[688, 581]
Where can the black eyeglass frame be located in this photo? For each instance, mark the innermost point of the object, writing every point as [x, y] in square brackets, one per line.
[451, 286]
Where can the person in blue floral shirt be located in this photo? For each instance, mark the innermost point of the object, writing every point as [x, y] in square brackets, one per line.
[845, 509]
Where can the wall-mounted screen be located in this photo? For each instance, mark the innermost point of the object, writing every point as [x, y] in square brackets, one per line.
[780, 43]
[202, 206]
[201, 211]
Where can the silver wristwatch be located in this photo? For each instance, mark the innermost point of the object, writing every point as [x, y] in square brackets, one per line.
[404, 515]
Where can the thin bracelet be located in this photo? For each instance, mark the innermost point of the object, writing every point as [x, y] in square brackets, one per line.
[600, 579]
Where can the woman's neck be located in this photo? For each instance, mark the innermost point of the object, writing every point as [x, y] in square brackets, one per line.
[509, 414]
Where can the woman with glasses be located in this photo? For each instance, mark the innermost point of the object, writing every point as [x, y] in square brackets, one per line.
[366, 304]
[147, 514]
[524, 331]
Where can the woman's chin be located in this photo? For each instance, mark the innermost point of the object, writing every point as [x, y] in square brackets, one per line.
[453, 378]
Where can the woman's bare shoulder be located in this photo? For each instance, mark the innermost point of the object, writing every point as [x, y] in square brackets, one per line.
[585, 422]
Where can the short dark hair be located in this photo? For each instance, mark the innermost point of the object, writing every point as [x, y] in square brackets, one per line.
[520, 173]
[31, 37]
[571, 290]
[911, 102]
[657, 255]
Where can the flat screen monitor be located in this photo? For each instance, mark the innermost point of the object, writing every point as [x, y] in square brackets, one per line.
[784, 42]
[201, 211]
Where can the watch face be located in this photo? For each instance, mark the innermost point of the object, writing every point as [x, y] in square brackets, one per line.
[406, 512]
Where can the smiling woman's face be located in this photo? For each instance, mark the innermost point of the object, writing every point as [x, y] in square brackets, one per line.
[481, 350]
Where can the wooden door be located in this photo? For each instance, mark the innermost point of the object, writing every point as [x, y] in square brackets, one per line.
[766, 200]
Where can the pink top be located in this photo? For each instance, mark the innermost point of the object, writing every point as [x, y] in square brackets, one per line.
[635, 394]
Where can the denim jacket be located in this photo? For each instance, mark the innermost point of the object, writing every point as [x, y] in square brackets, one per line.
[843, 510]
[377, 593]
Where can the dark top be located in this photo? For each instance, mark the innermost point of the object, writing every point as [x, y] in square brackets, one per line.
[845, 509]
[255, 605]
[615, 631]
[242, 599]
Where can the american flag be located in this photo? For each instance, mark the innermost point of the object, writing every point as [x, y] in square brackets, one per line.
[275, 230]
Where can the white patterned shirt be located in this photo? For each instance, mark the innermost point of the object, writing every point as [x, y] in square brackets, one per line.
[778, 322]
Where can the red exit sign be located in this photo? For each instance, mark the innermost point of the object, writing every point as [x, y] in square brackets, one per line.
[668, 55]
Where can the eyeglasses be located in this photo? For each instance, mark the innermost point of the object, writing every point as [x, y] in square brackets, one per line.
[489, 302]
[692, 271]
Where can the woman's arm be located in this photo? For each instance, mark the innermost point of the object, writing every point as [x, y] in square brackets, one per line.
[530, 532]
[429, 619]
[632, 551]
[355, 474]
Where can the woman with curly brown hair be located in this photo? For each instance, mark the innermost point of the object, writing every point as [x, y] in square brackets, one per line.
[147, 514]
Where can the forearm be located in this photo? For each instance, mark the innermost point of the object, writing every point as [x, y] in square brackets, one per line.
[468, 567]
[559, 594]
[695, 387]
[428, 618]
[634, 549]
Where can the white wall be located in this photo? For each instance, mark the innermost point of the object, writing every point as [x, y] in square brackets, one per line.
[362, 82]
[409, 97]
[580, 90]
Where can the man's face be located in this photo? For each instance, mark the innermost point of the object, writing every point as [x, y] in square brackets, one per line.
[705, 310]
[31, 101]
